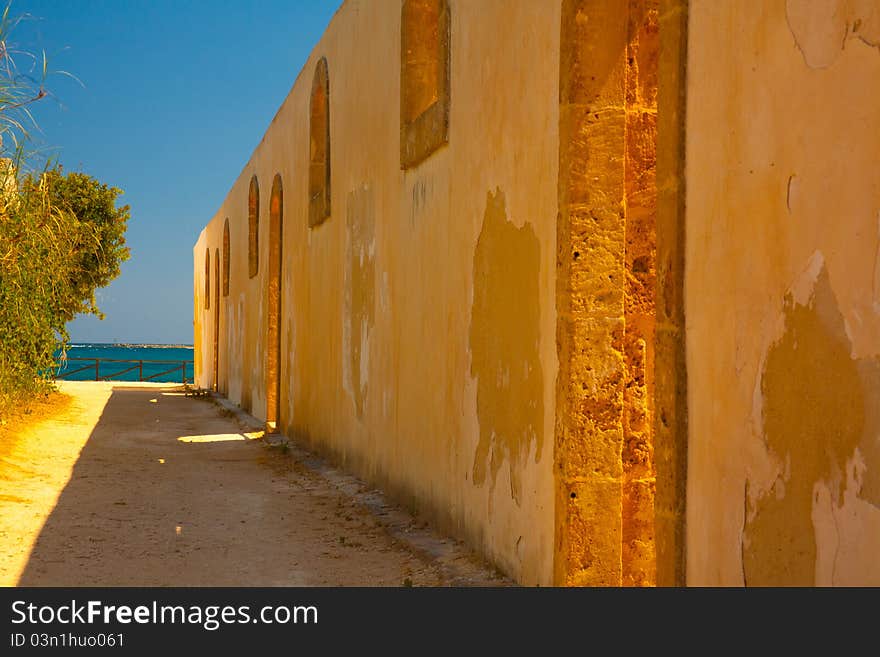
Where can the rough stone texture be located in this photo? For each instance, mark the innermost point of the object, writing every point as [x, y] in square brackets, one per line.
[638, 557]
[605, 287]
[590, 292]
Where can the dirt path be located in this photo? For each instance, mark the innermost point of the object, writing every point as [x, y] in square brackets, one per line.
[138, 485]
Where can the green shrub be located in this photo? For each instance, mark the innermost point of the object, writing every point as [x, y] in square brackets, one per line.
[35, 269]
[61, 238]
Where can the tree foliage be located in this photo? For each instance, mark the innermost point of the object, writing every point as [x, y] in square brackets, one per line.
[35, 273]
[100, 248]
[61, 238]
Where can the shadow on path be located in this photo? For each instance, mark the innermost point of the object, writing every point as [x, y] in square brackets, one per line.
[169, 491]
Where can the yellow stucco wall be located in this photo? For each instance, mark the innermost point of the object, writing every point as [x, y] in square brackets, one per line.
[476, 334]
[782, 292]
[418, 323]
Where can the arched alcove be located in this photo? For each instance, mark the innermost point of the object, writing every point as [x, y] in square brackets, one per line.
[216, 318]
[226, 258]
[253, 227]
[424, 79]
[273, 315]
[207, 279]
[319, 146]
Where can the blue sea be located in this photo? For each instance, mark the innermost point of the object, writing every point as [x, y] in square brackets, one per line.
[115, 358]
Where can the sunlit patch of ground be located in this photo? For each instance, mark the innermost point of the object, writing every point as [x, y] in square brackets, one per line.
[139, 485]
[38, 450]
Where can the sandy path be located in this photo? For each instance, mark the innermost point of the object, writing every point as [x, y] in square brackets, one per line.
[138, 485]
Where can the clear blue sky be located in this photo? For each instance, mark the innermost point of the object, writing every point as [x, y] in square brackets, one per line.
[176, 97]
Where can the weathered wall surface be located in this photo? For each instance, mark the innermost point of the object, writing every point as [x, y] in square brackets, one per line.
[782, 292]
[605, 292]
[418, 321]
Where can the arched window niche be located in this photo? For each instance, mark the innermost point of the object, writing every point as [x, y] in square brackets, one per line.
[253, 227]
[319, 146]
[274, 360]
[226, 258]
[207, 279]
[424, 79]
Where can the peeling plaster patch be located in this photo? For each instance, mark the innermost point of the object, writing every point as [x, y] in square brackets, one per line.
[821, 28]
[359, 294]
[504, 342]
[813, 408]
[858, 524]
[865, 22]
[803, 287]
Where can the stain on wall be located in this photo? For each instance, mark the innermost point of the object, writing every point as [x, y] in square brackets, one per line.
[504, 341]
[810, 441]
[359, 293]
[814, 418]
